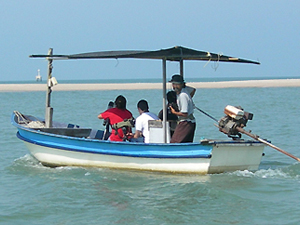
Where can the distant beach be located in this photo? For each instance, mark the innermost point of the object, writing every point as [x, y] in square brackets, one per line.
[140, 86]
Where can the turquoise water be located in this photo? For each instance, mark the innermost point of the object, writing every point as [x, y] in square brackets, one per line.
[34, 194]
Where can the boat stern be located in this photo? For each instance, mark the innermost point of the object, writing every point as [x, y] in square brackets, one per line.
[235, 155]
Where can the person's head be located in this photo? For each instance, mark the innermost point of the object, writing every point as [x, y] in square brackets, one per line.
[177, 83]
[120, 102]
[171, 96]
[143, 106]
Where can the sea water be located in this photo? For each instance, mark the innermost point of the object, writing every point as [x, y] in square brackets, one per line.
[33, 194]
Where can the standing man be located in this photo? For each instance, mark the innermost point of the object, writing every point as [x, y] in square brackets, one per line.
[185, 129]
[141, 122]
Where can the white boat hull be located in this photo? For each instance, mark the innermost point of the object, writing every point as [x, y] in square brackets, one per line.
[55, 157]
[53, 147]
[227, 157]
[221, 160]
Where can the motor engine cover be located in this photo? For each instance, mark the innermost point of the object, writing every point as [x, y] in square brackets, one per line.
[235, 117]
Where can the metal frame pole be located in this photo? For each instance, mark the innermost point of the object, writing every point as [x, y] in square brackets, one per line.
[181, 67]
[164, 100]
[49, 110]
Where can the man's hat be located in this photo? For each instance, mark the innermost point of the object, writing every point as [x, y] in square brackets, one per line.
[177, 79]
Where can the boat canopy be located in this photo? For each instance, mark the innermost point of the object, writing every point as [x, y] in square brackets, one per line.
[177, 53]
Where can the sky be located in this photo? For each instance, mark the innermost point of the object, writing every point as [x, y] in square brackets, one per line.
[267, 31]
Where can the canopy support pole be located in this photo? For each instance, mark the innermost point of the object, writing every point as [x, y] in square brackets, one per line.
[49, 110]
[164, 99]
[181, 67]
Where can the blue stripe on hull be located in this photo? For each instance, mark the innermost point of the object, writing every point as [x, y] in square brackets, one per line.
[129, 149]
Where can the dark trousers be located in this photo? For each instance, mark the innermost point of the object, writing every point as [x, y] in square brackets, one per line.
[184, 132]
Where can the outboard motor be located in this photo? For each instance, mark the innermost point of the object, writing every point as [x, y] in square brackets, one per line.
[235, 117]
[235, 120]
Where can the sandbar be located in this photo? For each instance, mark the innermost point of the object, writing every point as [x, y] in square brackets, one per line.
[141, 86]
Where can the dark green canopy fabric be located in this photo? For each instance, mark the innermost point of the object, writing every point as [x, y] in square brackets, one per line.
[176, 53]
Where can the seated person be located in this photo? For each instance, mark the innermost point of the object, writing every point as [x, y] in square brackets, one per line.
[116, 115]
[141, 122]
[171, 98]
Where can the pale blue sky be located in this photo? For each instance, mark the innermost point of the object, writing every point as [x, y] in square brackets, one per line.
[264, 30]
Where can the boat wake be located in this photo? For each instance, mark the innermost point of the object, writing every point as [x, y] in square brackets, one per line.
[291, 172]
[28, 161]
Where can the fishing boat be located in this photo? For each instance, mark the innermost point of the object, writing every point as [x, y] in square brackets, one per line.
[55, 143]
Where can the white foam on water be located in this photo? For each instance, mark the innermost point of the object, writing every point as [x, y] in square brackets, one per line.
[278, 173]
